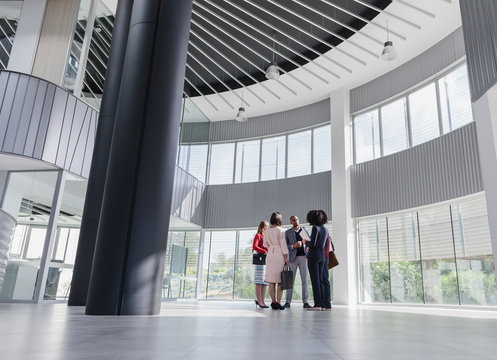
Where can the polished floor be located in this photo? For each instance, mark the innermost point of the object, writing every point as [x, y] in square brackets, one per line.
[236, 330]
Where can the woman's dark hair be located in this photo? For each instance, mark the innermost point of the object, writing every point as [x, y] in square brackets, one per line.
[317, 217]
[276, 219]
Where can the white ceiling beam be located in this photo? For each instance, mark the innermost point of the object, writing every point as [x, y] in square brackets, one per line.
[363, 19]
[418, 9]
[272, 25]
[225, 70]
[305, 32]
[268, 36]
[216, 77]
[393, 16]
[332, 33]
[224, 55]
[200, 92]
[209, 85]
[341, 23]
[243, 57]
[264, 45]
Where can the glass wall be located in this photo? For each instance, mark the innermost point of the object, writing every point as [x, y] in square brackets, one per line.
[9, 16]
[28, 198]
[274, 158]
[180, 271]
[221, 163]
[425, 113]
[61, 263]
[247, 161]
[294, 154]
[367, 136]
[193, 158]
[299, 153]
[440, 254]
[98, 53]
[226, 266]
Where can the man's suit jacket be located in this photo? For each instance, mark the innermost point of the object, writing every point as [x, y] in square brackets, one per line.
[291, 239]
[319, 236]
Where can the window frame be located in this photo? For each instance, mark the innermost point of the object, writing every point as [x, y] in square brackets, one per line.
[405, 94]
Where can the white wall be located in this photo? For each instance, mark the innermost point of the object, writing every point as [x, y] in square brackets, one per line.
[27, 35]
[485, 115]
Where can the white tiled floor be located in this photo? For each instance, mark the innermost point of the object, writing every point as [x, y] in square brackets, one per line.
[235, 330]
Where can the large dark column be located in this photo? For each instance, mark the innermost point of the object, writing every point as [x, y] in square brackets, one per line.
[100, 159]
[129, 257]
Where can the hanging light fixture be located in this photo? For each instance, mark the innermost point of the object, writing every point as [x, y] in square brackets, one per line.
[241, 116]
[389, 53]
[272, 71]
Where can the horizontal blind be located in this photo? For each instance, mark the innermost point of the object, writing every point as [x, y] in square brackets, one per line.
[273, 158]
[423, 113]
[394, 129]
[247, 161]
[299, 154]
[367, 136]
[322, 149]
[455, 99]
[222, 161]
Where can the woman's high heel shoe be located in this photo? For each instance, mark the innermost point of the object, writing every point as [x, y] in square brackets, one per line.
[259, 305]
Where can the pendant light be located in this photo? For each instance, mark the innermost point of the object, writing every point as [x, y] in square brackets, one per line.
[389, 53]
[241, 116]
[272, 71]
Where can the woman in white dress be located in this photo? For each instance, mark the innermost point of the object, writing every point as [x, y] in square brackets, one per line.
[277, 256]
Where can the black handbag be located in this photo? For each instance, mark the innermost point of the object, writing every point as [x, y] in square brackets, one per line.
[286, 278]
[259, 259]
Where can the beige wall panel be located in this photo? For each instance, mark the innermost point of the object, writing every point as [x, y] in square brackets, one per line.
[55, 39]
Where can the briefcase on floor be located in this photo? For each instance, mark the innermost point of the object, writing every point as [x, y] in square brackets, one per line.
[286, 278]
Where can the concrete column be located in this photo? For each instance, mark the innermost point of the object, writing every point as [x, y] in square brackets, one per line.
[128, 265]
[100, 160]
[23, 52]
[485, 116]
[345, 286]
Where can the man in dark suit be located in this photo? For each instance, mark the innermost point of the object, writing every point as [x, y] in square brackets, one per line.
[297, 258]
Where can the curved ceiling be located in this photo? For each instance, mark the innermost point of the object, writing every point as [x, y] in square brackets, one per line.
[319, 46]
[414, 26]
[233, 42]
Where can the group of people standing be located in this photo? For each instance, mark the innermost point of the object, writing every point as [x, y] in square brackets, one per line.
[296, 248]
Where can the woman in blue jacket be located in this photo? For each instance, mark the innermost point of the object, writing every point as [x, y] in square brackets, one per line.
[315, 255]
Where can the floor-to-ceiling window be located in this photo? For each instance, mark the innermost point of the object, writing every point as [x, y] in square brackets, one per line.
[428, 111]
[28, 198]
[180, 271]
[440, 254]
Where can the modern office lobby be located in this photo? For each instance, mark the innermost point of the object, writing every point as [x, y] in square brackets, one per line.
[143, 142]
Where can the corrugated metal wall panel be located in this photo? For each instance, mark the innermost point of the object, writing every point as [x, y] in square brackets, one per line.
[442, 169]
[425, 65]
[480, 38]
[245, 205]
[45, 122]
[276, 123]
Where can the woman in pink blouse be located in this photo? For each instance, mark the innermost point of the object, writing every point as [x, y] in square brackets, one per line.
[276, 258]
